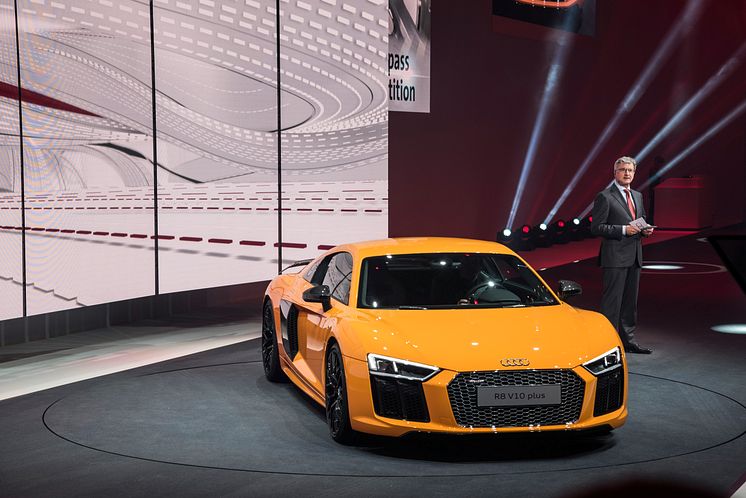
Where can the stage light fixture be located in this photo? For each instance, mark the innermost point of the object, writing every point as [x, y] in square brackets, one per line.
[679, 30]
[574, 230]
[540, 236]
[505, 237]
[559, 232]
[522, 240]
[582, 229]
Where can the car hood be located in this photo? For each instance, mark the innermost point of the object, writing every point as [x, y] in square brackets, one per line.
[478, 339]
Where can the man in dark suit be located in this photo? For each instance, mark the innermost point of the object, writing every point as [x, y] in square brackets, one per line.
[621, 251]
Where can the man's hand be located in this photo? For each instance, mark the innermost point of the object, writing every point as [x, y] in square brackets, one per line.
[647, 232]
[631, 230]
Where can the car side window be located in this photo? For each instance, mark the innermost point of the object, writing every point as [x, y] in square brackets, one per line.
[308, 276]
[339, 276]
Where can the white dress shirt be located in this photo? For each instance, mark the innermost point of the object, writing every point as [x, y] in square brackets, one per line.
[624, 196]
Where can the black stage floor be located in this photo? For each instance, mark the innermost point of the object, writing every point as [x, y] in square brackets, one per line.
[210, 424]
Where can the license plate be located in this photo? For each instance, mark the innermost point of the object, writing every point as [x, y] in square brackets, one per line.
[519, 395]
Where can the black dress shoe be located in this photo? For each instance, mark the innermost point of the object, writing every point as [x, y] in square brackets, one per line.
[633, 347]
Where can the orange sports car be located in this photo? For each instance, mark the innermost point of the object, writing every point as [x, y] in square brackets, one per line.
[440, 335]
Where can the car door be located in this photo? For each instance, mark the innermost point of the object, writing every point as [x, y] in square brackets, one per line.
[312, 325]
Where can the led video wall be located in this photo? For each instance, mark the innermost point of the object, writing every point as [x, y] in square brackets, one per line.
[11, 271]
[115, 210]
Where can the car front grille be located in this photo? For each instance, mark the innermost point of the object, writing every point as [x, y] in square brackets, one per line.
[609, 392]
[398, 398]
[462, 392]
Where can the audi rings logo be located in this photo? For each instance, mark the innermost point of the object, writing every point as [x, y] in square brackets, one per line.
[515, 362]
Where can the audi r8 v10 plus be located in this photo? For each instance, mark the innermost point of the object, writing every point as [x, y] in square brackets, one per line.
[440, 335]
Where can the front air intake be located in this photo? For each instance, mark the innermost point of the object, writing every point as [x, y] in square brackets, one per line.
[609, 392]
[399, 398]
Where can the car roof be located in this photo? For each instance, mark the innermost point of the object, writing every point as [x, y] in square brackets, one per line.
[414, 245]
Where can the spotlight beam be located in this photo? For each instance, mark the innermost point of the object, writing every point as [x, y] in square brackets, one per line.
[550, 87]
[678, 31]
[712, 131]
[715, 80]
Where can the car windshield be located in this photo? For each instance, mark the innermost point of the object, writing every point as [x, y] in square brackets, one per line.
[450, 281]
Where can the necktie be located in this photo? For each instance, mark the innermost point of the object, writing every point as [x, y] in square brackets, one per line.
[630, 205]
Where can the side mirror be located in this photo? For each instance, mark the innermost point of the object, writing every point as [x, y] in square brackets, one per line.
[319, 294]
[568, 288]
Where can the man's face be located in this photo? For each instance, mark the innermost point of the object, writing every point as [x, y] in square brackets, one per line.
[623, 174]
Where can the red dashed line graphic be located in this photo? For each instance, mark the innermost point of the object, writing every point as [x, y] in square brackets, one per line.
[292, 245]
[256, 243]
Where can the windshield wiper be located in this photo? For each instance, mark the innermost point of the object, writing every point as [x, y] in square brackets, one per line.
[412, 308]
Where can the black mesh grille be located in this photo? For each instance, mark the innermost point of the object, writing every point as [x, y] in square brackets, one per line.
[397, 398]
[462, 391]
[609, 392]
[293, 332]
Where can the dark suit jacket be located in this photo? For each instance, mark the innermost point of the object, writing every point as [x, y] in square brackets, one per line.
[610, 213]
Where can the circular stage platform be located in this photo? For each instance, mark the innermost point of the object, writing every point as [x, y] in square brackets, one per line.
[227, 416]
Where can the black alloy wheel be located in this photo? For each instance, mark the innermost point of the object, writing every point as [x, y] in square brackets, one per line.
[270, 355]
[337, 411]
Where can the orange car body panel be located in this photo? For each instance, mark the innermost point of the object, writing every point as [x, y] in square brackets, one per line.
[454, 340]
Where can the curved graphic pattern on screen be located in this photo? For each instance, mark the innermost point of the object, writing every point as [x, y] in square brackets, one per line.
[86, 73]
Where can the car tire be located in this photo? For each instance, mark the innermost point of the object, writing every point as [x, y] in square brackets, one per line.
[337, 409]
[270, 354]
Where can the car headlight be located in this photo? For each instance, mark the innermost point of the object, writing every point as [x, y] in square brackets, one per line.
[401, 369]
[608, 361]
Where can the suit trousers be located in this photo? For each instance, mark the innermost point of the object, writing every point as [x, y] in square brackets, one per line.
[619, 300]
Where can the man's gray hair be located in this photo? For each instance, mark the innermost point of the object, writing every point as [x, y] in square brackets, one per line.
[625, 160]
